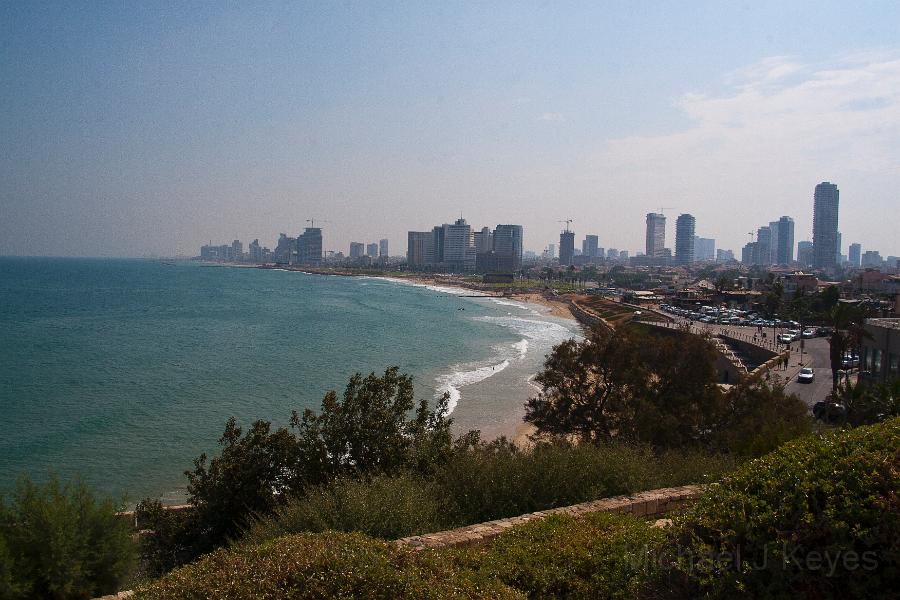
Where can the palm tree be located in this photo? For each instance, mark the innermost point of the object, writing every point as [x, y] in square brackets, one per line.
[849, 333]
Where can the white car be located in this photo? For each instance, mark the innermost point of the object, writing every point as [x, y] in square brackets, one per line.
[806, 375]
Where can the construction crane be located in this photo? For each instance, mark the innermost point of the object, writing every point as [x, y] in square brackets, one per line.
[312, 222]
[750, 233]
[567, 222]
[662, 208]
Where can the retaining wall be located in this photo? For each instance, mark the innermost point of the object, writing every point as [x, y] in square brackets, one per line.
[654, 503]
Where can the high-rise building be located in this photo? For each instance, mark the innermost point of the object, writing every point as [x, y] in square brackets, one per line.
[372, 250]
[724, 256]
[566, 246]
[255, 251]
[457, 246]
[612, 253]
[825, 225]
[749, 253]
[357, 249]
[805, 253]
[872, 258]
[784, 252]
[383, 247]
[704, 248]
[309, 246]
[685, 227]
[763, 252]
[285, 250]
[855, 254]
[419, 249]
[589, 246]
[656, 234]
[506, 254]
[483, 241]
[508, 243]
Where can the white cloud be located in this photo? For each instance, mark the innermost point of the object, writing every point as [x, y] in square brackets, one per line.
[757, 150]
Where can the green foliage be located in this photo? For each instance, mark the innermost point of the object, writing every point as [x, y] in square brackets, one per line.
[61, 542]
[486, 481]
[368, 432]
[599, 555]
[758, 417]
[817, 518]
[865, 403]
[332, 565]
[249, 476]
[657, 390]
[387, 506]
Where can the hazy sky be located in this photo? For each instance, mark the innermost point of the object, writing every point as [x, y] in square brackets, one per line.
[132, 128]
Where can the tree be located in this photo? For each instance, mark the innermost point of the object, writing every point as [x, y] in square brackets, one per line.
[848, 334]
[588, 388]
[59, 541]
[251, 475]
[622, 384]
[368, 432]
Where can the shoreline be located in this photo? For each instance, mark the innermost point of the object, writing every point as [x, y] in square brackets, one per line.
[558, 306]
[547, 305]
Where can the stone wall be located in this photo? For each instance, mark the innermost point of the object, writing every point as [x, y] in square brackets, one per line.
[654, 503]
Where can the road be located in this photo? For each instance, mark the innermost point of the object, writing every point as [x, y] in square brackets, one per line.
[815, 355]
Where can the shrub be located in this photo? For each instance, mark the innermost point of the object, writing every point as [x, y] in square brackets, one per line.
[387, 507]
[817, 518]
[599, 555]
[61, 542]
[497, 480]
[333, 565]
[483, 482]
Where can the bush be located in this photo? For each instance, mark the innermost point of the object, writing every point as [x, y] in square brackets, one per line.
[61, 542]
[387, 507]
[599, 555]
[817, 518]
[497, 480]
[483, 482]
[333, 565]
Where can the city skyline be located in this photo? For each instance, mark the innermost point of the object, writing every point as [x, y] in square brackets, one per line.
[126, 135]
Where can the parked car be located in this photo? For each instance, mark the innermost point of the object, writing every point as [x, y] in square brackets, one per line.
[809, 333]
[806, 375]
[785, 338]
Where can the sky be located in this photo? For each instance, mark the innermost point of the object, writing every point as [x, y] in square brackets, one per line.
[145, 128]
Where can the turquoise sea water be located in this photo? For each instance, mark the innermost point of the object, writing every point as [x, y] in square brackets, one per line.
[122, 371]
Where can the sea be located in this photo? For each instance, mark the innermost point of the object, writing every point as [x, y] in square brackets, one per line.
[121, 371]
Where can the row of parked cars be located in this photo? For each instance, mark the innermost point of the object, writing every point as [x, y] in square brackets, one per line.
[731, 316]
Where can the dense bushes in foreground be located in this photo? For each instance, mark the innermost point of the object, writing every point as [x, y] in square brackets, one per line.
[818, 518]
[61, 542]
[486, 482]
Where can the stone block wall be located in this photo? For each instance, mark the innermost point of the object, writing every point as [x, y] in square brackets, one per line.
[654, 503]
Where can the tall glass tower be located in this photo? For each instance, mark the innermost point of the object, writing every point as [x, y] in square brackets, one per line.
[825, 225]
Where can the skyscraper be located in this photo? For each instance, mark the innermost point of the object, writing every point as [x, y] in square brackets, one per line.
[458, 246]
[419, 249]
[357, 249]
[763, 254]
[309, 246]
[372, 250]
[704, 248]
[825, 225]
[685, 227]
[656, 234]
[566, 246]
[855, 254]
[784, 254]
[589, 246]
[507, 241]
[383, 247]
[805, 253]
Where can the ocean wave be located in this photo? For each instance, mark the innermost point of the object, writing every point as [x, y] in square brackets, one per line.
[532, 329]
[509, 303]
[453, 291]
[452, 382]
[522, 347]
